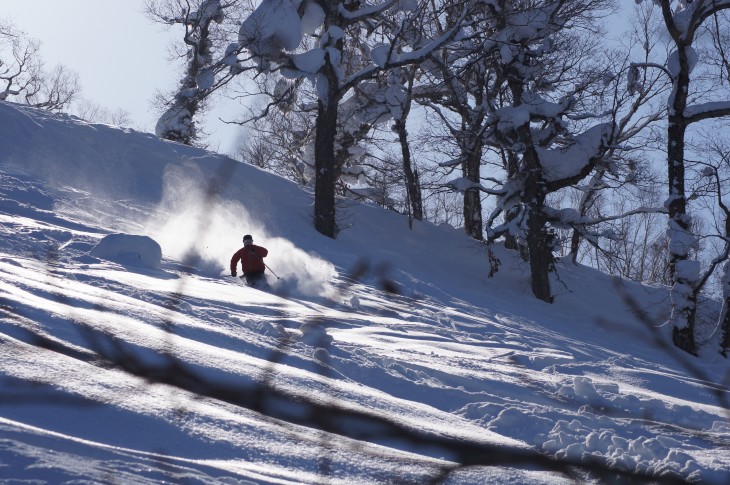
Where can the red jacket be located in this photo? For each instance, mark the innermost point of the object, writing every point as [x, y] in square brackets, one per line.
[251, 257]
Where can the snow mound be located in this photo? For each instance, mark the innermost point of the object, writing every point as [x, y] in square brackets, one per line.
[128, 249]
[315, 335]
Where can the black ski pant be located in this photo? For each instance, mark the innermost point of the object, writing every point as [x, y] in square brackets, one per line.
[253, 277]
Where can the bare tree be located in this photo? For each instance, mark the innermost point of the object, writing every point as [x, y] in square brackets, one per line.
[19, 61]
[541, 122]
[95, 113]
[635, 246]
[390, 102]
[410, 171]
[200, 20]
[712, 185]
[635, 96]
[54, 90]
[23, 77]
[461, 89]
[279, 143]
[684, 21]
[268, 35]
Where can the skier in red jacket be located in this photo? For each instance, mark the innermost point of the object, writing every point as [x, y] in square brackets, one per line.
[252, 261]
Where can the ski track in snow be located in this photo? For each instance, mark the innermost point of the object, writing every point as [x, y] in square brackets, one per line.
[467, 367]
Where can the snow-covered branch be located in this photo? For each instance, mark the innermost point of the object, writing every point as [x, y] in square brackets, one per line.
[705, 111]
[366, 11]
[572, 218]
[563, 166]
[462, 184]
[399, 60]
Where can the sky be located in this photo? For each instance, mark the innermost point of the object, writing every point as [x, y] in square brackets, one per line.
[454, 358]
[120, 55]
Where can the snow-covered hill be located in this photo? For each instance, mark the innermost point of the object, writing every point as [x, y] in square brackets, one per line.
[307, 383]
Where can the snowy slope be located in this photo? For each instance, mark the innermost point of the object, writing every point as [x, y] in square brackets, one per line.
[455, 360]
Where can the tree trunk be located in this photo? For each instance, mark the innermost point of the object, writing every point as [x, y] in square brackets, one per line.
[325, 159]
[413, 185]
[725, 315]
[324, 164]
[585, 204]
[681, 239]
[538, 241]
[725, 322]
[473, 224]
[534, 192]
[512, 166]
[539, 244]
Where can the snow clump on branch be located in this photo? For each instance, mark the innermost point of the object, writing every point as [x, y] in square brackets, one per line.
[273, 27]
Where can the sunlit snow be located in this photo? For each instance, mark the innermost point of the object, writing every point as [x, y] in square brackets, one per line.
[452, 357]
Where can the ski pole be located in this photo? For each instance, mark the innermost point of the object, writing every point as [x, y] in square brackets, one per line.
[272, 271]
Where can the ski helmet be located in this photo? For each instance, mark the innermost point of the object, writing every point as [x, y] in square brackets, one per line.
[247, 238]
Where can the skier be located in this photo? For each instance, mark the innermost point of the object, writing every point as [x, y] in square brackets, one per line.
[252, 261]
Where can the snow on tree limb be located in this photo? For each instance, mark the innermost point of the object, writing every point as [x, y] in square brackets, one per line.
[708, 110]
[462, 184]
[273, 27]
[365, 11]
[567, 163]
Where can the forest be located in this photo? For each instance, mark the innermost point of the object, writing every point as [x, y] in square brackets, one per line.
[577, 129]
